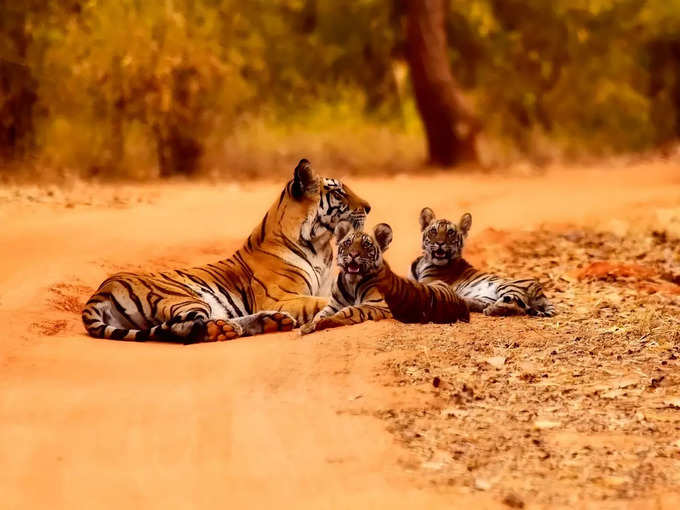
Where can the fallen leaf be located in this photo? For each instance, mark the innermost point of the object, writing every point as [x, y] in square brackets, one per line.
[482, 485]
[434, 466]
[673, 402]
[454, 412]
[615, 481]
[496, 361]
[513, 501]
[546, 424]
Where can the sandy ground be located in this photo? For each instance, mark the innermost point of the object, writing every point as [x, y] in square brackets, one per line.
[324, 421]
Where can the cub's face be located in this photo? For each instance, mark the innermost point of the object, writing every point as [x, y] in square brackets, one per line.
[442, 239]
[360, 253]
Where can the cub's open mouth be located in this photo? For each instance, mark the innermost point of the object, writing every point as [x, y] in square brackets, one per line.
[440, 254]
[353, 267]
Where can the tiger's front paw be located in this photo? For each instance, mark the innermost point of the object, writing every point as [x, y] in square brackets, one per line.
[221, 330]
[277, 321]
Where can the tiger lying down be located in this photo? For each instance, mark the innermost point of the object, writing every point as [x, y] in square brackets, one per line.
[367, 289]
[442, 260]
[279, 277]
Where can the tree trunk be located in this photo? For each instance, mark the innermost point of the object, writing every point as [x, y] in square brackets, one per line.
[117, 116]
[18, 86]
[178, 131]
[17, 99]
[664, 87]
[450, 126]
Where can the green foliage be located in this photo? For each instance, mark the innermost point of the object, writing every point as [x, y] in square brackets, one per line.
[575, 70]
[137, 88]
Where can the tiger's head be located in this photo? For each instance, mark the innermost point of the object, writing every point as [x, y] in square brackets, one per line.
[329, 201]
[359, 252]
[443, 239]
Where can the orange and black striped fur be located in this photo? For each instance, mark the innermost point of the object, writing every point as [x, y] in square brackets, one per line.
[442, 259]
[367, 289]
[277, 279]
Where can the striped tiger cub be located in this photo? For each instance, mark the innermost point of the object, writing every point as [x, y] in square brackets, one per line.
[277, 279]
[442, 259]
[367, 289]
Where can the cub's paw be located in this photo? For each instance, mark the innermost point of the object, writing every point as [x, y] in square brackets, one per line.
[221, 330]
[542, 310]
[537, 312]
[307, 328]
[319, 324]
[503, 310]
[329, 322]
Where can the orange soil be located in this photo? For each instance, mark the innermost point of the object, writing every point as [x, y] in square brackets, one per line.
[272, 420]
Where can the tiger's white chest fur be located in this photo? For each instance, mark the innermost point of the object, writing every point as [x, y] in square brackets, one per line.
[321, 264]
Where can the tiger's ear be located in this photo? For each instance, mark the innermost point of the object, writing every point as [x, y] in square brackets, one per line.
[465, 223]
[342, 230]
[304, 179]
[383, 234]
[426, 218]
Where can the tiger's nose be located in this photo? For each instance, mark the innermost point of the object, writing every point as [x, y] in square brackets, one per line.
[354, 254]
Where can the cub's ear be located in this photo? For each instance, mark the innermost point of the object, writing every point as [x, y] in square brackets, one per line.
[342, 230]
[383, 234]
[426, 218]
[465, 223]
[304, 179]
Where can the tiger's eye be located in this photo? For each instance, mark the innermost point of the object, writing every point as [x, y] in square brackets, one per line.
[431, 234]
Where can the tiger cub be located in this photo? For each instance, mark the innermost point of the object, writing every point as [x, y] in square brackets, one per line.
[442, 259]
[367, 289]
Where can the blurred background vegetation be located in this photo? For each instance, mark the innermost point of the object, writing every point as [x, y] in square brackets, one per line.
[141, 89]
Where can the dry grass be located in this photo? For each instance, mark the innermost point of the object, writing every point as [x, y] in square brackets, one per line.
[582, 406]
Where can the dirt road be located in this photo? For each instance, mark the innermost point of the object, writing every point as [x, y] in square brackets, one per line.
[274, 420]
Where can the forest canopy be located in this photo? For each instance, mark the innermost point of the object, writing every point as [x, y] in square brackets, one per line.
[138, 89]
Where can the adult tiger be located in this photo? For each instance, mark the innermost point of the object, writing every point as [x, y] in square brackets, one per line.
[274, 281]
[442, 259]
[367, 289]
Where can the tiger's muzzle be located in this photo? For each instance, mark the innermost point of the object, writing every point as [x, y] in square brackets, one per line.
[440, 254]
[358, 217]
[356, 264]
